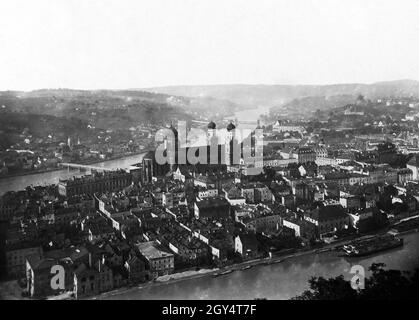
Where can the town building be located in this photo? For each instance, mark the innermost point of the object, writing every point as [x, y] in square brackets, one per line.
[158, 261]
[413, 165]
[246, 245]
[306, 154]
[16, 255]
[212, 207]
[97, 182]
[328, 218]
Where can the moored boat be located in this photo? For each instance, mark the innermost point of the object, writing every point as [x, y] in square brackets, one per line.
[225, 272]
[372, 245]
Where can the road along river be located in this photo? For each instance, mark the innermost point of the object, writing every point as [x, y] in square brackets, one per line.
[276, 281]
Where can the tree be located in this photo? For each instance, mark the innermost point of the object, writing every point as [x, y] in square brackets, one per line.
[385, 284]
[328, 289]
[381, 285]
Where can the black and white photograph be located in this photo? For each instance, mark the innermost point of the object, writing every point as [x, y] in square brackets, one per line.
[214, 155]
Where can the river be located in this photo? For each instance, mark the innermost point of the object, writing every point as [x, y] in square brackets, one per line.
[277, 281]
[52, 177]
[248, 118]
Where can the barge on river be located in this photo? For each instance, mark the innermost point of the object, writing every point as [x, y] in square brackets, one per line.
[359, 248]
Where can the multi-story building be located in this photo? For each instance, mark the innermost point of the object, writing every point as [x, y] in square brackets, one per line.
[261, 222]
[328, 219]
[207, 192]
[258, 218]
[255, 192]
[404, 175]
[286, 127]
[327, 161]
[233, 195]
[306, 154]
[246, 245]
[413, 165]
[248, 192]
[278, 163]
[8, 206]
[16, 255]
[301, 227]
[159, 262]
[39, 276]
[212, 207]
[349, 201]
[320, 152]
[360, 215]
[64, 216]
[97, 182]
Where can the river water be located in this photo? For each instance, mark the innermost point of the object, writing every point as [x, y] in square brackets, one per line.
[277, 281]
[52, 177]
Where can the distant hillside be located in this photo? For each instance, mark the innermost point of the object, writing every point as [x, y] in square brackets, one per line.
[15, 125]
[307, 105]
[196, 107]
[275, 95]
[104, 109]
[122, 108]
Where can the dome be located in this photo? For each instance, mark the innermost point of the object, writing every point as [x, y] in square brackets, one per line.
[211, 125]
[231, 126]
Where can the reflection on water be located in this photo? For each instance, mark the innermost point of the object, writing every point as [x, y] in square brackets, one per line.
[251, 114]
[52, 177]
[46, 178]
[248, 118]
[278, 281]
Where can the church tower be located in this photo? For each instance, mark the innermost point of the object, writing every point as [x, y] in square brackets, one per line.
[229, 142]
[168, 146]
[211, 130]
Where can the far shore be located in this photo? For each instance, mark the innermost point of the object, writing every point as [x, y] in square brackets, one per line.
[86, 162]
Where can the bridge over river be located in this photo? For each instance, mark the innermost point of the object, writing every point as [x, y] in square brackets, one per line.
[84, 167]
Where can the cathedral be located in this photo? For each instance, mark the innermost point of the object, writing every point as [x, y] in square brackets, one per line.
[222, 151]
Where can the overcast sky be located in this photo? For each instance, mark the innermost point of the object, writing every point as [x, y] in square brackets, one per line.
[91, 44]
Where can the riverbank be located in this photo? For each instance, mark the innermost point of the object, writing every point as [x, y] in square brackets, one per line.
[282, 278]
[86, 162]
[164, 280]
[247, 269]
[217, 272]
[225, 273]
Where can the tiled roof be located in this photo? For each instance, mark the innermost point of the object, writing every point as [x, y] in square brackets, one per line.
[414, 161]
[328, 213]
[152, 250]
